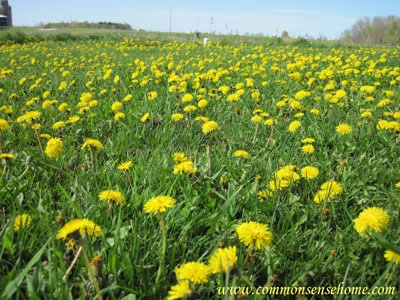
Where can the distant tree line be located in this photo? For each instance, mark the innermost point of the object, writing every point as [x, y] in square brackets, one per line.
[376, 31]
[86, 24]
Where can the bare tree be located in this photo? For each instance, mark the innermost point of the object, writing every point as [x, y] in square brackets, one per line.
[376, 31]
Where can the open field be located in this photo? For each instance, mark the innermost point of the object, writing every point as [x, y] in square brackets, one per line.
[37, 34]
[162, 153]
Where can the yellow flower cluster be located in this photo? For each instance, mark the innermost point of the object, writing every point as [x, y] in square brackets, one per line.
[328, 191]
[184, 164]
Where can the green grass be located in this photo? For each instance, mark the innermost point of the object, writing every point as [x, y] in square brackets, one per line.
[313, 244]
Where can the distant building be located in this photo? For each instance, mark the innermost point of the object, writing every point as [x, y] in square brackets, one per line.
[5, 13]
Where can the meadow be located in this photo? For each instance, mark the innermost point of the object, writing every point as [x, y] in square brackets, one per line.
[148, 169]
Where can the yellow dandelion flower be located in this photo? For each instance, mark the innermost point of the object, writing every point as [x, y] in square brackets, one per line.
[366, 114]
[125, 166]
[179, 291]
[233, 97]
[189, 108]
[202, 119]
[254, 234]
[185, 167]
[93, 103]
[223, 180]
[145, 117]
[369, 99]
[112, 196]
[308, 141]
[22, 221]
[223, 259]
[62, 86]
[152, 95]
[22, 81]
[384, 102]
[179, 157]
[195, 272]
[321, 196]
[58, 125]
[287, 173]
[128, 97]
[397, 185]
[270, 122]
[224, 89]
[46, 104]
[210, 126]
[86, 97]
[28, 117]
[46, 94]
[73, 119]
[315, 111]
[382, 124]
[117, 106]
[374, 218]
[4, 125]
[54, 147]
[159, 204]
[263, 194]
[176, 117]
[63, 107]
[308, 148]
[280, 103]
[278, 184]
[309, 172]
[187, 98]
[295, 104]
[79, 226]
[392, 256]
[6, 156]
[367, 89]
[7, 109]
[344, 128]
[294, 126]
[202, 103]
[45, 136]
[333, 188]
[92, 144]
[119, 116]
[107, 74]
[256, 119]
[241, 153]
[302, 94]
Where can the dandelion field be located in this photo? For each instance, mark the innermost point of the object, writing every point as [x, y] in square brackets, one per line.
[142, 169]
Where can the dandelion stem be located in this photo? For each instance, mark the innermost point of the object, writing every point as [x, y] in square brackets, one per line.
[38, 139]
[73, 263]
[92, 277]
[163, 248]
[208, 159]
[270, 136]
[247, 256]
[91, 156]
[255, 134]
[129, 179]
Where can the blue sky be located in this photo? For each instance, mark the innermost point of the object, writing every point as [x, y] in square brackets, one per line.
[314, 18]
